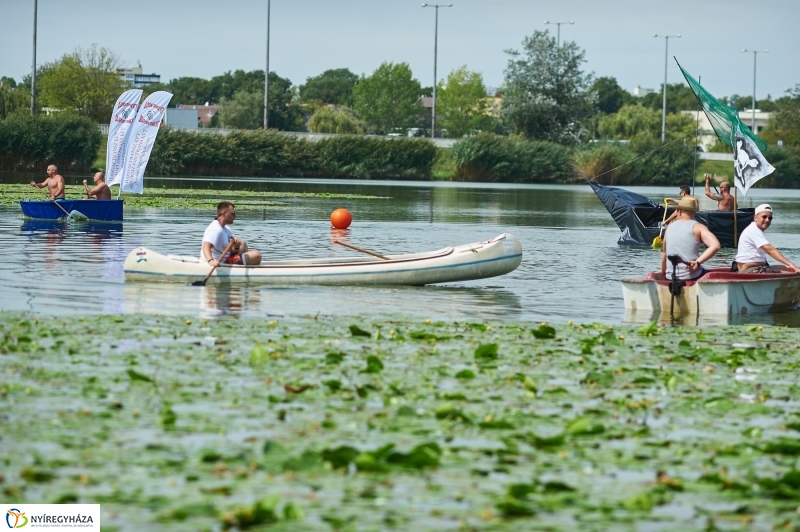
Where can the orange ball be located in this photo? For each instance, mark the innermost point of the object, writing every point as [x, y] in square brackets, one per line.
[341, 218]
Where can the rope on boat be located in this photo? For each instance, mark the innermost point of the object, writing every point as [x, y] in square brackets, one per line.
[645, 155]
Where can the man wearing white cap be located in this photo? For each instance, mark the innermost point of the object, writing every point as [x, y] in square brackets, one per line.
[751, 256]
[683, 238]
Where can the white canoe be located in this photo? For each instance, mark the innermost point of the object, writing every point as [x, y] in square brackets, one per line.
[497, 256]
[718, 292]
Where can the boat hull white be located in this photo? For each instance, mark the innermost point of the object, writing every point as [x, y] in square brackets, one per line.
[494, 257]
[718, 292]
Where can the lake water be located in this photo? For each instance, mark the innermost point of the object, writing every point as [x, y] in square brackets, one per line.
[570, 270]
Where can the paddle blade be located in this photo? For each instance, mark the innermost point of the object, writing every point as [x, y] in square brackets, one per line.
[199, 283]
[657, 242]
[77, 216]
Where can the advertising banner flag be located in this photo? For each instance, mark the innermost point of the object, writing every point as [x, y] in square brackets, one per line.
[121, 121]
[141, 139]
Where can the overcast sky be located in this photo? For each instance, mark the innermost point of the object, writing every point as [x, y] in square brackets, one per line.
[205, 38]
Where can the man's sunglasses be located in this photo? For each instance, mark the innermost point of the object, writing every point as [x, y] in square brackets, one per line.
[766, 218]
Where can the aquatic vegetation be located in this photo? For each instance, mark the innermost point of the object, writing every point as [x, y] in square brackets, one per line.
[401, 423]
[166, 198]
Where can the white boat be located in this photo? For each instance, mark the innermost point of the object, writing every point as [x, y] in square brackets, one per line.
[497, 256]
[718, 292]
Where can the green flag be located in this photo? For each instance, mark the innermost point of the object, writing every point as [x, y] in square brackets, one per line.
[724, 119]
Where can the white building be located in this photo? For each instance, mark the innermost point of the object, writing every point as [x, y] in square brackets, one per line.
[641, 91]
[708, 137]
[135, 77]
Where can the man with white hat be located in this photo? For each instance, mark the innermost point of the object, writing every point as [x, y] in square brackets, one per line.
[751, 256]
[683, 238]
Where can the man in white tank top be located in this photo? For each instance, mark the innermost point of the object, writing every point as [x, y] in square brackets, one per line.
[683, 237]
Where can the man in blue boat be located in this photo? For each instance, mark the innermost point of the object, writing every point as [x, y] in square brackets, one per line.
[54, 183]
[725, 199]
[217, 236]
[683, 237]
[100, 190]
[751, 255]
[685, 192]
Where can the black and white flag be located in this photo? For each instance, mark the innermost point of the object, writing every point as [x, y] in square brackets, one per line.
[749, 165]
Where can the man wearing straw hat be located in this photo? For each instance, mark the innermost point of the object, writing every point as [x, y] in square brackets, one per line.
[683, 238]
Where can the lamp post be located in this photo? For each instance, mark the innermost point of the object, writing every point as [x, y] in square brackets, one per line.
[266, 77]
[558, 32]
[435, 50]
[664, 105]
[33, 66]
[755, 54]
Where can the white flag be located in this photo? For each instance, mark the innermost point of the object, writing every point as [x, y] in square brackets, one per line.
[141, 139]
[749, 165]
[121, 120]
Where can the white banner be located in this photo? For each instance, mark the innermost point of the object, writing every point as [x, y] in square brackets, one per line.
[140, 142]
[749, 164]
[121, 120]
[53, 517]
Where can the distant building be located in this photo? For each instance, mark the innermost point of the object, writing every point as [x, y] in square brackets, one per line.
[181, 118]
[707, 135]
[641, 91]
[135, 77]
[204, 112]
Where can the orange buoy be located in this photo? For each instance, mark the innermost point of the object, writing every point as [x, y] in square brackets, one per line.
[341, 218]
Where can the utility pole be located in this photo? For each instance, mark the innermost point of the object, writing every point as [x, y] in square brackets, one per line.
[435, 52]
[664, 105]
[266, 77]
[755, 54]
[33, 67]
[558, 32]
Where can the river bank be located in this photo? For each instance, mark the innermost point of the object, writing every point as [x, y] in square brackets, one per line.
[363, 423]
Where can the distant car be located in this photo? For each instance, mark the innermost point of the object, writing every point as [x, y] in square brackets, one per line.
[394, 135]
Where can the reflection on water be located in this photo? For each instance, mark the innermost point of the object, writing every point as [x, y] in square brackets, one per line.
[570, 270]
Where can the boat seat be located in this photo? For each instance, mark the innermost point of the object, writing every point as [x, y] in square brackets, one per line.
[183, 258]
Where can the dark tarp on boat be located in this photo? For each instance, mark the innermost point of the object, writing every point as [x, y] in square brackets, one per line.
[639, 218]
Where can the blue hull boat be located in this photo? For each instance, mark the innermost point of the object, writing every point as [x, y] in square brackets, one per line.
[100, 210]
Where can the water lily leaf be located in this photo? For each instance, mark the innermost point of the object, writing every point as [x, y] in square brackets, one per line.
[544, 332]
[167, 417]
[262, 512]
[496, 424]
[259, 355]
[340, 456]
[486, 351]
[374, 365]
[307, 461]
[599, 378]
[753, 432]
[583, 426]
[333, 384]
[650, 329]
[334, 358]
[355, 330]
[511, 507]
[787, 446]
[136, 376]
[422, 456]
[465, 374]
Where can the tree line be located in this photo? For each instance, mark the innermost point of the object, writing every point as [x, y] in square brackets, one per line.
[546, 96]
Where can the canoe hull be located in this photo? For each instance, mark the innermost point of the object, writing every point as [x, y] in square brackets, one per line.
[494, 257]
[100, 210]
[718, 292]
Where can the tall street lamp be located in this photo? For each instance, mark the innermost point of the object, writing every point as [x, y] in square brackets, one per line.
[435, 50]
[266, 77]
[33, 67]
[755, 54]
[558, 32]
[664, 105]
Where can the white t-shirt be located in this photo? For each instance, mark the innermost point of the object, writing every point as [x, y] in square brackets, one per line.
[750, 243]
[219, 237]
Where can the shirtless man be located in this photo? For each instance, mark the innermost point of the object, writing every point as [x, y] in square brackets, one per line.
[724, 198]
[685, 192]
[101, 190]
[54, 183]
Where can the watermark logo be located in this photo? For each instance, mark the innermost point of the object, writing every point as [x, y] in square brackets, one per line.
[16, 518]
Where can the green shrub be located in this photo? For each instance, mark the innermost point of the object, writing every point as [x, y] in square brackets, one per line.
[786, 161]
[487, 157]
[596, 161]
[672, 164]
[29, 143]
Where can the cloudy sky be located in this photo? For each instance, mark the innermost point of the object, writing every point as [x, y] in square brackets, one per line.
[204, 38]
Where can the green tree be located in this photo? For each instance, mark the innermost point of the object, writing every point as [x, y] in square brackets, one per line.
[610, 96]
[636, 121]
[547, 96]
[84, 82]
[244, 109]
[189, 91]
[785, 121]
[462, 105]
[679, 98]
[342, 120]
[333, 87]
[14, 99]
[389, 99]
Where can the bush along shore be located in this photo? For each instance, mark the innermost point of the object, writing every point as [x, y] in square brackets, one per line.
[367, 424]
[72, 143]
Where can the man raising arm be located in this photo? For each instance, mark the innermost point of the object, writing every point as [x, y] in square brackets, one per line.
[726, 201]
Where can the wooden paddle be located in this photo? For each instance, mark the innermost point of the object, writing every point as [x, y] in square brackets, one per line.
[362, 250]
[74, 215]
[227, 249]
[657, 241]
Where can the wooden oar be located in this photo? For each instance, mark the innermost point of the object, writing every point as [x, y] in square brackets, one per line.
[362, 250]
[221, 257]
[74, 215]
[657, 241]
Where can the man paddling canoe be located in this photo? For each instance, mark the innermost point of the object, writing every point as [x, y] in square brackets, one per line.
[217, 236]
[54, 183]
[751, 257]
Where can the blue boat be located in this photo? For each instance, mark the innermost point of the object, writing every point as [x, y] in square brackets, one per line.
[100, 210]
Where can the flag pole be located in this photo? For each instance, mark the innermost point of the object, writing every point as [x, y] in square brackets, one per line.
[735, 208]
